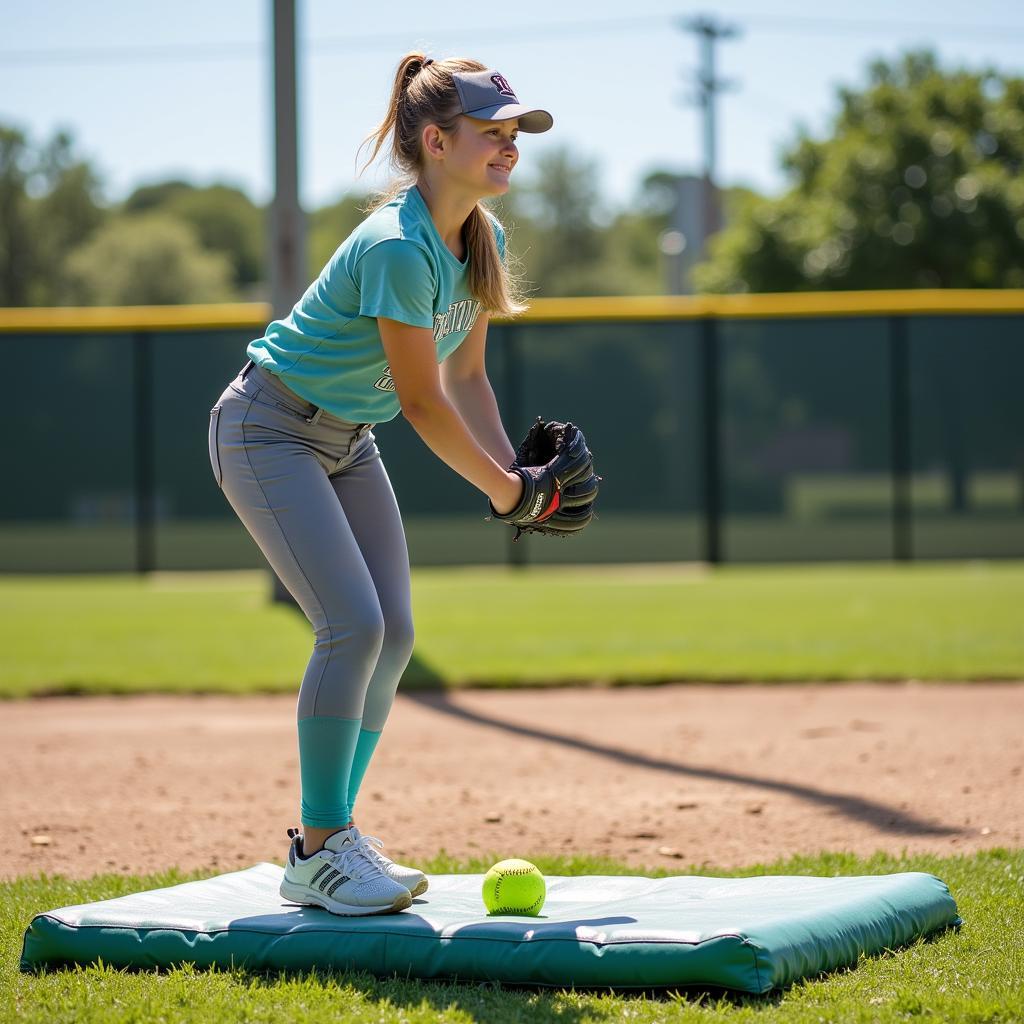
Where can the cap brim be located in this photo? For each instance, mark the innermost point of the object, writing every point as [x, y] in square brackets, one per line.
[530, 120]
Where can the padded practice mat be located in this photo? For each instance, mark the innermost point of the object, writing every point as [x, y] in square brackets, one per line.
[749, 934]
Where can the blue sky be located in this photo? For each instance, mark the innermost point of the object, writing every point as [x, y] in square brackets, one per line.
[151, 91]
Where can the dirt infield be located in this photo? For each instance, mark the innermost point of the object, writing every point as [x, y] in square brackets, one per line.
[663, 776]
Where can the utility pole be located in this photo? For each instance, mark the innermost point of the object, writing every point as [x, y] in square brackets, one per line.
[287, 229]
[287, 224]
[709, 32]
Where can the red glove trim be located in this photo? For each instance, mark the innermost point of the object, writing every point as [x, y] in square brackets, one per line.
[551, 509]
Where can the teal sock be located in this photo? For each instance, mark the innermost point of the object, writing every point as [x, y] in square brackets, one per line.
[326, 746]
[365, 747]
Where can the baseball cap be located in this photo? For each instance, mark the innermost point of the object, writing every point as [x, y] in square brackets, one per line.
[488, 96]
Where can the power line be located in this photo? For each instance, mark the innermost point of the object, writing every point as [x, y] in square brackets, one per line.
[787, 23]
[235, 50]
[137, 54]
[329, 44]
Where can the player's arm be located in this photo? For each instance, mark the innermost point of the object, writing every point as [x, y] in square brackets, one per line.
[464, 380]
[412, 356]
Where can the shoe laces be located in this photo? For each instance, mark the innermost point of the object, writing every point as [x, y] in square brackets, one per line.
[355, 861]
[368, 842]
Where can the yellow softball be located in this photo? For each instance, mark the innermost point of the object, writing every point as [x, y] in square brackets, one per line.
[514, 886]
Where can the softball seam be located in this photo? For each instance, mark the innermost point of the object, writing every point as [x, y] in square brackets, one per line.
[506, 872]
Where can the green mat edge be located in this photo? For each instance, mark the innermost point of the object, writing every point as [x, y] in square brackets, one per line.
[739, 963]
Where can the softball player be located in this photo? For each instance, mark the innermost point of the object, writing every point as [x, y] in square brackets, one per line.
[395, 322]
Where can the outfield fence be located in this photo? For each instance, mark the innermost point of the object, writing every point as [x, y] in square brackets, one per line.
[756, 428]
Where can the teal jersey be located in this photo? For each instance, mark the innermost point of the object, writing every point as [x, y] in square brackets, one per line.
[395, 264]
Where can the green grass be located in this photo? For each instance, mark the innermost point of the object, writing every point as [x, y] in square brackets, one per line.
[503, 626]
[829, 519]
[970, 975]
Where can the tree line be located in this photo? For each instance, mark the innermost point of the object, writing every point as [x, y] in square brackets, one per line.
[916, 183]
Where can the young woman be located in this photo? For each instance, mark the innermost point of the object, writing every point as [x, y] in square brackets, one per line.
[395, 323]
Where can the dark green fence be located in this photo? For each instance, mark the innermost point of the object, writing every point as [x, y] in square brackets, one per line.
[732, 430]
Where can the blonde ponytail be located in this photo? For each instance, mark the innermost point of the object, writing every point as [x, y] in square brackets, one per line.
[424, 93]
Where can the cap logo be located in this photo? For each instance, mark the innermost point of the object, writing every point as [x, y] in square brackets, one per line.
[501, 84]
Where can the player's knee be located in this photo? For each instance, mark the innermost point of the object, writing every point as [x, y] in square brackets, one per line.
[371, 632]
[361, 636]
[399, 639]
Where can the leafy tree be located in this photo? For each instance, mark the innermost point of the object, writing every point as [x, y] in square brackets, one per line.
[148, 259]
[918, 185]
[17, 252]
[554, 226]
[154, 198]
[66, 212]
[48, 203]
[572, 245]
[330, 225]
[224, 219]
[633, 264]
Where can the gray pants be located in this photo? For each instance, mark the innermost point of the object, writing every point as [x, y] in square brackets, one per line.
[312, 491]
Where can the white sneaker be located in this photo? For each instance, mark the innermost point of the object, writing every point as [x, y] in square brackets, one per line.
[342, 878]
[415, 881]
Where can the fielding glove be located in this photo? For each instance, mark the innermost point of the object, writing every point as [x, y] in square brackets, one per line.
[559, 484]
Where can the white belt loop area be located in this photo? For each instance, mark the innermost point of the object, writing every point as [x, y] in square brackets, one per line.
[315, 418]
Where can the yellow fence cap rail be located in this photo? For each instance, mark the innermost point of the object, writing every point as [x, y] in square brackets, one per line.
[254, 316]
[92, 319]
[781, 304]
